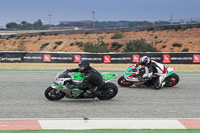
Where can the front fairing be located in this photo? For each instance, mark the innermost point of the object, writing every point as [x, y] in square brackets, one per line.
[129, 74]
[170, 70]
[64, 79]
[63, 74]
[60, 78]
[130, 71]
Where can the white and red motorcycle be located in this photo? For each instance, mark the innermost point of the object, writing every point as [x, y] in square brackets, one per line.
[133, 74]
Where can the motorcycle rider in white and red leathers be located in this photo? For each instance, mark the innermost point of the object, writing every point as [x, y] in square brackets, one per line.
[153, 68]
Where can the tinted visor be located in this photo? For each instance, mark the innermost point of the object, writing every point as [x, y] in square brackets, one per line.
[142, 63]
[82, 67]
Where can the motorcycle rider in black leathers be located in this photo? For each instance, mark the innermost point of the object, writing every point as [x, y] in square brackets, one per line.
[93, 80]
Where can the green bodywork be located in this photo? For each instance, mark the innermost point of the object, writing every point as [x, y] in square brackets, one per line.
[58, 85]
[169, 72]
[108, 76]
[80, 76]
[129, 71]
[76, 90]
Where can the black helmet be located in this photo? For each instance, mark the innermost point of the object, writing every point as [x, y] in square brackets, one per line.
[83, 65]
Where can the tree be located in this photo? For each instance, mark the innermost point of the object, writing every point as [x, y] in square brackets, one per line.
[25, 25]
[12, 25]
[89, 47]
[37, 24]
[139, 45]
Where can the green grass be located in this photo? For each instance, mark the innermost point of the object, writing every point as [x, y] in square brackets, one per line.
[108, 131]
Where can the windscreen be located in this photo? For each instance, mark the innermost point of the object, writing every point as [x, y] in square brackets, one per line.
[63, 74]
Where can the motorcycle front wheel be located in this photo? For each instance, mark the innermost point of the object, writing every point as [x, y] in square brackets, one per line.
[52, 94]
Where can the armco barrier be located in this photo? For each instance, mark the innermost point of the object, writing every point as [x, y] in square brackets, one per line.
[65, 57]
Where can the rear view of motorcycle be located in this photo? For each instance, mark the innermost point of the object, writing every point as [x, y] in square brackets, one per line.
[63, 80]
[133, 74]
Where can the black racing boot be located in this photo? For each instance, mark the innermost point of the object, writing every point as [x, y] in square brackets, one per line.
[156, 84]
[157, 87]
[90, 92]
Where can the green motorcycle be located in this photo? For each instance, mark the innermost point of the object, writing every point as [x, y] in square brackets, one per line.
[63, 80]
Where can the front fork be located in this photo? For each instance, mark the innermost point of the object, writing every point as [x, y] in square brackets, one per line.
[58, 88]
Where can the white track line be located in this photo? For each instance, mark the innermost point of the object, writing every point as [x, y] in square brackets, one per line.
[110, 124]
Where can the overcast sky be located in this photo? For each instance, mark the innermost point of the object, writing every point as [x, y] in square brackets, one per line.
[106, 10]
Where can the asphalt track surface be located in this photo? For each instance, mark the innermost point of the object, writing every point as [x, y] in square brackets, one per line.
[22, 96]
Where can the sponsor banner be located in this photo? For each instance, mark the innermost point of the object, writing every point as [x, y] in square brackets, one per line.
[181, 58]
[33, 57]
[196, 58]
[107, 58]
[158, 59]
[77, 58]
[11, 59]
[92, 59]
[61, 58]
[166, 58]
[64, 57]
[136, 58]
[46, 58]
[120, 58]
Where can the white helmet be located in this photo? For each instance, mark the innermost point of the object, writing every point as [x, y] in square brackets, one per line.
[144, 60]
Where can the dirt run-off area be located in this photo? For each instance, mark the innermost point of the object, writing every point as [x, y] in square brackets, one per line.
[103, 67]
[188, 40]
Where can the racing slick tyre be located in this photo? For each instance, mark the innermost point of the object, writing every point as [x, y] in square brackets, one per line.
[52, 94]
[172, 80]
[108, 91]
[123, 82]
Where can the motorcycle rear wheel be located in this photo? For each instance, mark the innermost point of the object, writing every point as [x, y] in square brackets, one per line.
[123, 82]
[108, 91]
[172, 80]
